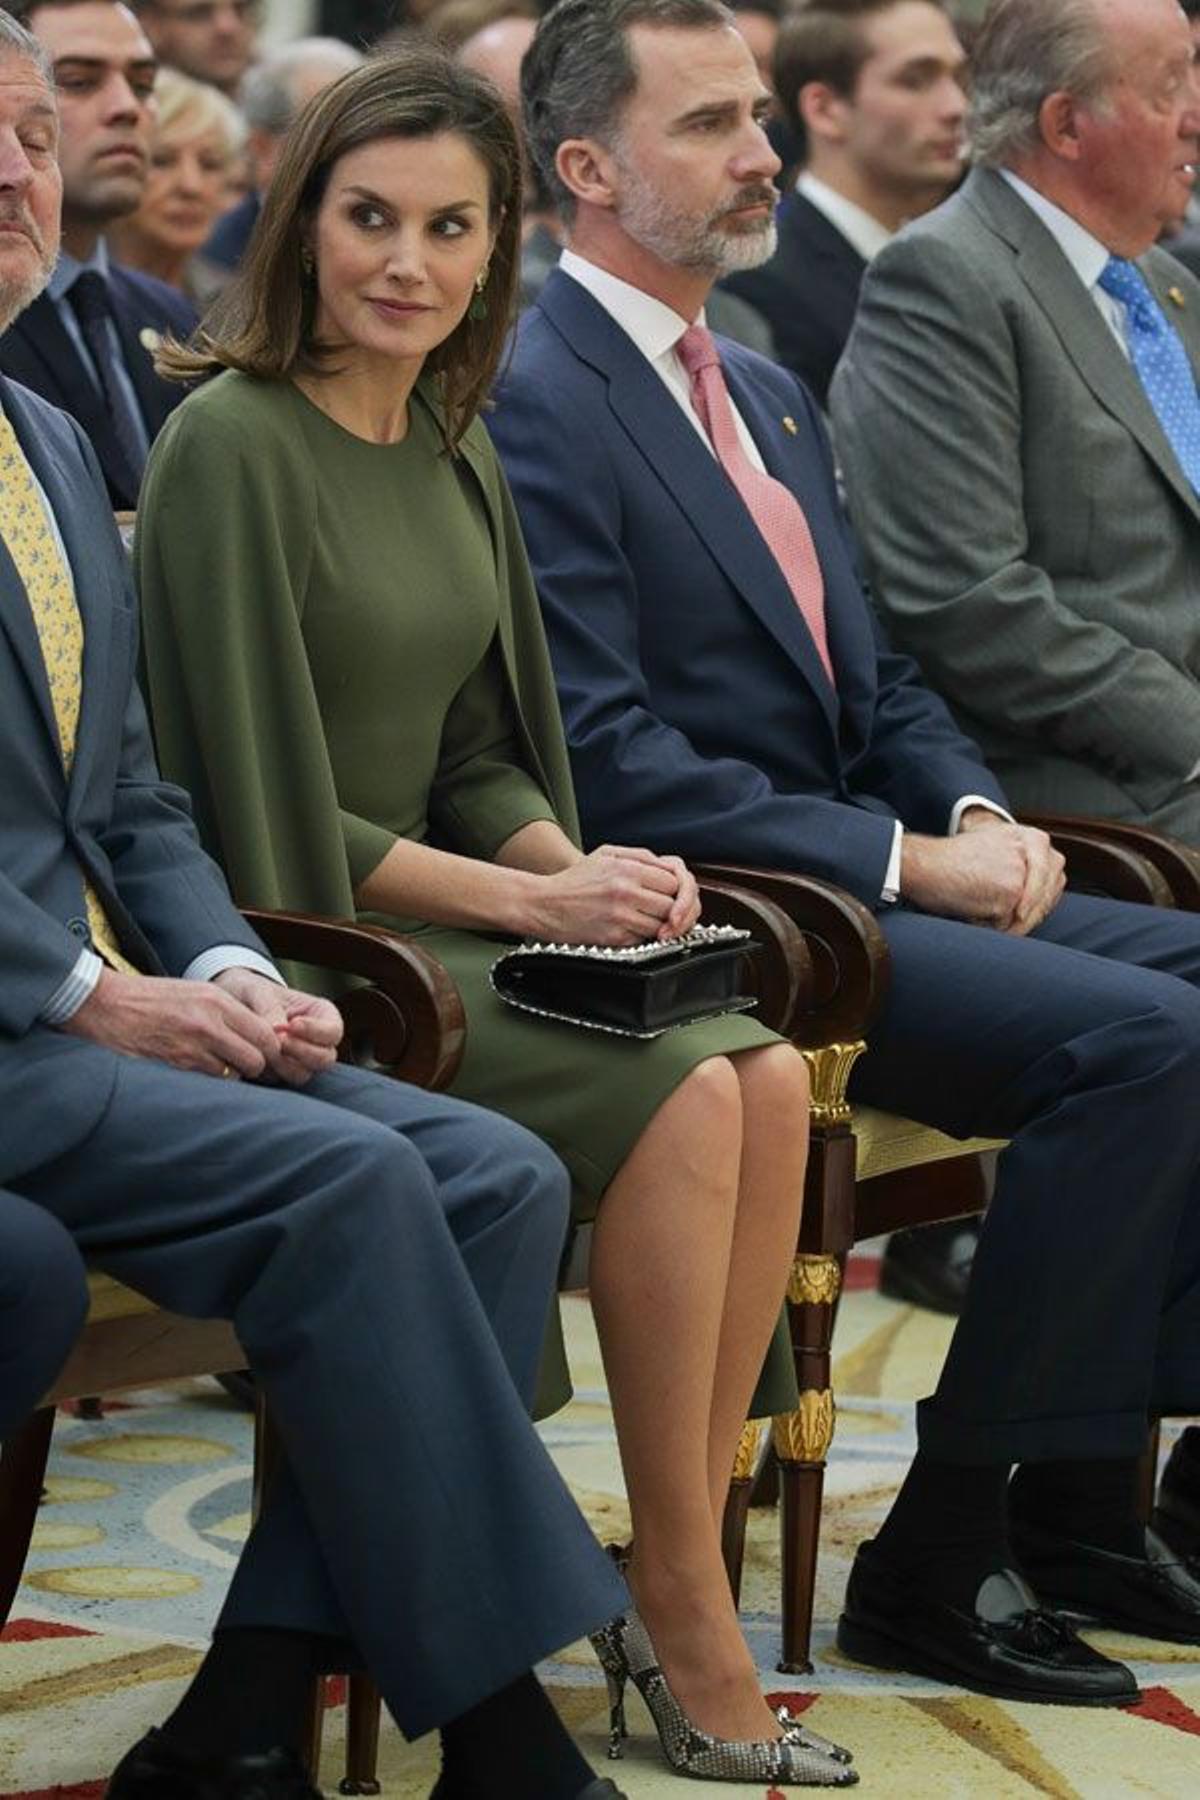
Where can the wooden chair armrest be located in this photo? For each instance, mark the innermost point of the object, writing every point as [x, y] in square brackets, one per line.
[407, 1022]
[1178, 864]
[782, 971]
[851, 966]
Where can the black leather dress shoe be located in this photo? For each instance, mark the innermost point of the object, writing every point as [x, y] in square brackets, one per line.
[155, 1770]
[600, 1789]
[930, 1265]
[1157, 1595]
[1006, 1646]
[1177, 1510]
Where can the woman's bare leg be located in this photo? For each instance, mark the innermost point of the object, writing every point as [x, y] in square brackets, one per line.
[775, 1097]
[660, 1285]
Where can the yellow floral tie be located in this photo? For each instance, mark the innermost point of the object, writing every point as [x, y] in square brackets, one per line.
[51, 595]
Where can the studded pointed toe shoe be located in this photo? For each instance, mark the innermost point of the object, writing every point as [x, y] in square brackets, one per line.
[797, 1759]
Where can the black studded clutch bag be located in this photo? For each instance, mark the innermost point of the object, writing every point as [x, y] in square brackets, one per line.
[640, 992]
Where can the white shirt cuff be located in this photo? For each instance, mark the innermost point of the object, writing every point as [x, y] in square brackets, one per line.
[77, 987]
[214, 962]
[965, 804]
[891, 880]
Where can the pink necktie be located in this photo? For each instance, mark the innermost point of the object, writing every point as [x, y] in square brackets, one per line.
[773, 507]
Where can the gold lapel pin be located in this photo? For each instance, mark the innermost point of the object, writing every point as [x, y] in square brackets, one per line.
[150, 339]
[1175, 296]
[789, 425]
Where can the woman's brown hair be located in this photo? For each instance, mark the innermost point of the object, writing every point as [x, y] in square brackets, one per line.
[263, 324]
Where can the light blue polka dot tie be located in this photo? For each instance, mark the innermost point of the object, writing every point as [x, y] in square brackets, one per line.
[1160, 360]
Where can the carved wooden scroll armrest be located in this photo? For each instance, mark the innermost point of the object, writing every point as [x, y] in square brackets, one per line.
[407, 1020]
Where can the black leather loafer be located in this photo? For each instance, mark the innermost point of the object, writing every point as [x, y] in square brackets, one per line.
[1177, 1511]
[155, 1770]
[1156, 1596]
[1006, 1646]
[930, 1265]
[600, 1789]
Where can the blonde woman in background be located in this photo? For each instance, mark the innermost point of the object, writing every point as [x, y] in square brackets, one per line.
[195, 166]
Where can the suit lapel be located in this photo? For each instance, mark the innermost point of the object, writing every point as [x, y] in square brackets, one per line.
[68, 385]
[79, 514]
[811, 237]
[16, 619]
[670, 445]
[138, 358]
[1076, 319]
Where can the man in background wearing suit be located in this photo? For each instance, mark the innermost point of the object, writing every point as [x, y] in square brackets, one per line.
[874, 90]
[210, 40]
[725, 690]
[87, 344]
[386, 1255]
[1018, 419]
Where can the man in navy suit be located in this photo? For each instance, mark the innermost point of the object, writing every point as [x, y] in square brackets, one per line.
[873, 90]
[727, 694]
[87, 344]
[386, 1255]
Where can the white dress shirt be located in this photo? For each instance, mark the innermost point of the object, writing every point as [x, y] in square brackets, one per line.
[85, 972]
[1085, 253]
[655, 330]
[860, 230]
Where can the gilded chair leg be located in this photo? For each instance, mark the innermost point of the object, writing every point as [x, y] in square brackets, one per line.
[22, 1471]
[802, 1441]
[737, 1505]
[362, 1737]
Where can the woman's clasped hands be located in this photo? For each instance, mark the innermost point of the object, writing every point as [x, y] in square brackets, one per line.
[617, 896]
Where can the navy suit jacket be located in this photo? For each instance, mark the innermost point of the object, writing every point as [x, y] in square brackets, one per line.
[113, 816]
[231, 234]
[698, 714]
[808, 292]
[37, 352]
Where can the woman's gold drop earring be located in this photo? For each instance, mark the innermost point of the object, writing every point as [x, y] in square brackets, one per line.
[478, 307]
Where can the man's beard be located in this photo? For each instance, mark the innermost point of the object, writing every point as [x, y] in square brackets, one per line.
[708, 245]
[16, 294]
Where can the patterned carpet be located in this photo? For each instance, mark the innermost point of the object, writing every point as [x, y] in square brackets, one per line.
[147, 1506]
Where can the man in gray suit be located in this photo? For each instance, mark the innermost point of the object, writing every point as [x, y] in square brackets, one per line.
[1018, 420]
[387, 1256]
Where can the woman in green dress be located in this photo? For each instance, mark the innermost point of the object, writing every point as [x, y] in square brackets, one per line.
[348, 672]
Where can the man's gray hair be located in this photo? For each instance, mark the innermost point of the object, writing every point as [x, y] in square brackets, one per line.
[579, 72]
[16, 41]
[268, 94]
[1026, 51]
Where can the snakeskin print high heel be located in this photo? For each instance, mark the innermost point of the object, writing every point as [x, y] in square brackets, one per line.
[799, 1758]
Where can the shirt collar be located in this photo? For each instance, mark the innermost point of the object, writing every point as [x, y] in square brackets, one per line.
[654, 327]
[68, 268]
[1086, 254]
[862, 231]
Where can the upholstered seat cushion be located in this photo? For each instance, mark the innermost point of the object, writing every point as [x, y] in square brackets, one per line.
[112, 1300]
[887, 1142]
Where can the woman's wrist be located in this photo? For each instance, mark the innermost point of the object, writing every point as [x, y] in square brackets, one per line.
[523, 913]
